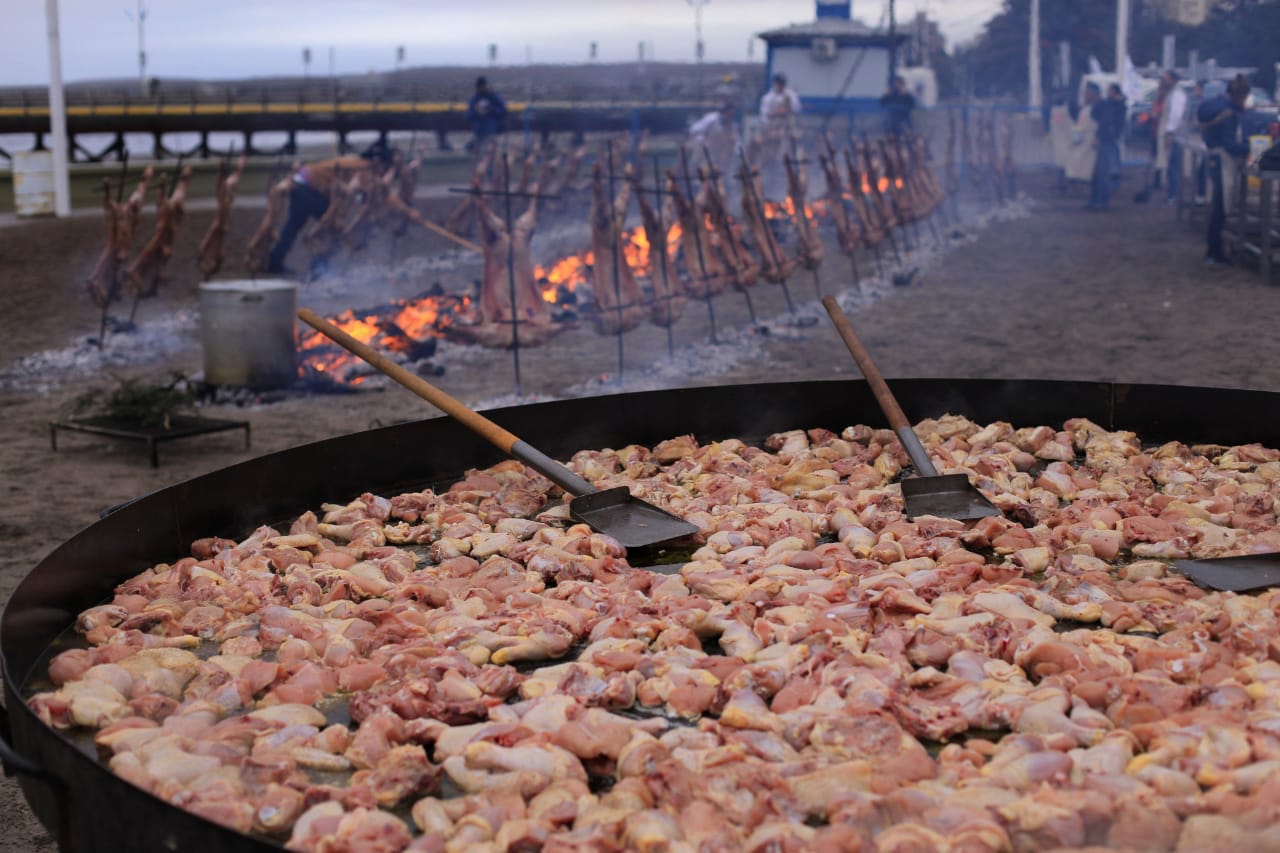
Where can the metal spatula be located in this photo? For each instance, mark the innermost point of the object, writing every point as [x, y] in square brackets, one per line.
[1245, 573]
[931, 493]
[614, 512]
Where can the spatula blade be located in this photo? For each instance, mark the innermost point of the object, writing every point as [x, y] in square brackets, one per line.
[631, 521]
[1246, 573]
[945, 496]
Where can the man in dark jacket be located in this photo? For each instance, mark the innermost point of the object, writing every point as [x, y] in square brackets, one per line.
[1109, 114]
[1219, 119]
[897, 105]
[487, 113]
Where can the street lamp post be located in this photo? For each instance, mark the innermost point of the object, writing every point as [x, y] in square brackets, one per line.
[698, 48]
[1122, 38]
[57, 114]
[1033, 60]
[140, 18]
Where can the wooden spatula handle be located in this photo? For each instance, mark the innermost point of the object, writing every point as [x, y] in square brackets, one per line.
[888, 403]
[507, 441]
[454, 408]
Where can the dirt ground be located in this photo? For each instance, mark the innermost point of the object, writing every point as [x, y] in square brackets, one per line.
[1051, 292]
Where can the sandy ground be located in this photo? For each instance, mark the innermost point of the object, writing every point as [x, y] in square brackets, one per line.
[1047, 291]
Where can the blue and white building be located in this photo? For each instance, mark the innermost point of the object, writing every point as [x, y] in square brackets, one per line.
[836, 64]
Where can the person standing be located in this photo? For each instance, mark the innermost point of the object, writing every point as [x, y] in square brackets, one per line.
[1169, 135]
[1108, 113]
[1189, 133]
[779, 108]
[1219, 118]
[1082, 151]
[780, 105]
[897, 104]
[487, 113]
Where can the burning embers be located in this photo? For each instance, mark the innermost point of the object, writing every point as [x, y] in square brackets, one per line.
[409, 328]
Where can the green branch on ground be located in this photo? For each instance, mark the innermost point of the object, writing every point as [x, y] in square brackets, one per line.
[138, 401]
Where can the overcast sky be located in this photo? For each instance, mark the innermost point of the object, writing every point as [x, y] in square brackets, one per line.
[242, 38]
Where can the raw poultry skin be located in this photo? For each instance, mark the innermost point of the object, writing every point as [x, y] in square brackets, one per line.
[823, 674]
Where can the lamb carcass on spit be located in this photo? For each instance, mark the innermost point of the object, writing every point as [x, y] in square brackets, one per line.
[618, 301]
[809, 251]
[258, 252]
[775, 264]
[668, 301]
[144, 275]
[209, 253]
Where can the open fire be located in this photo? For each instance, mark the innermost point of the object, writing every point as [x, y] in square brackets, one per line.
[409, 327]
[412, 327]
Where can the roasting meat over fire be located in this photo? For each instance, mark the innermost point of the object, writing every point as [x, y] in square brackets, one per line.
[686, 244]
[821, 674]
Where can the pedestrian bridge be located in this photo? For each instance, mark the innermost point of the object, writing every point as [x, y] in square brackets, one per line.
[159, 117]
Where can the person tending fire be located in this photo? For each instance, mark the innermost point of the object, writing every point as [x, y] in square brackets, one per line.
[310, 190]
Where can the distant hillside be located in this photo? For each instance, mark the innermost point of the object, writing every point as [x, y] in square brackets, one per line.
[597, 81]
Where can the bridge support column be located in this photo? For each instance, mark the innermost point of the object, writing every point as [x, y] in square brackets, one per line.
[158, 151]
[248, 143]
[204, 144]
[342, 142]
[39, 146]
[291, 145]
[119, 146]
[442, 140]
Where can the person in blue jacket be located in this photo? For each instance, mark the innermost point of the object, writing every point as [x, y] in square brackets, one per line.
[1108, 113]
[487, 113]
[1219, 119]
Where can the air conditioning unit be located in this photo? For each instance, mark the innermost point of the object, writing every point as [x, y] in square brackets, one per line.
[824, 49]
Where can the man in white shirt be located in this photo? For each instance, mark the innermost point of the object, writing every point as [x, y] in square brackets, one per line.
[1173, 120]
[779, 108]
[780, 105]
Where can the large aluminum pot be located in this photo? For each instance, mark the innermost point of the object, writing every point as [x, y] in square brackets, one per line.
[249, 333]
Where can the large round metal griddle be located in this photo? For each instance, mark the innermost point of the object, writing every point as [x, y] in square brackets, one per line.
[89, 809]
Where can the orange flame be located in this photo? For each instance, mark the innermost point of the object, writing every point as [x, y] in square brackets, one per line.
[570, 273]
[404, 325]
